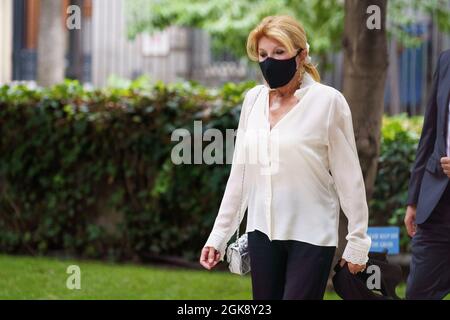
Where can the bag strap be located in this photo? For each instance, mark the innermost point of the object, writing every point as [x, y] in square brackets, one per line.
[243, 174]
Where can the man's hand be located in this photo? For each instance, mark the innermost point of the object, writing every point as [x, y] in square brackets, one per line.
[410, 220]
[445, 163]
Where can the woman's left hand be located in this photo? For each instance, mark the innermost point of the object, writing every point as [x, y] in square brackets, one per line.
[354, 268]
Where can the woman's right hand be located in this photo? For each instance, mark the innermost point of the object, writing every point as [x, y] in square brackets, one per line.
[209, 257]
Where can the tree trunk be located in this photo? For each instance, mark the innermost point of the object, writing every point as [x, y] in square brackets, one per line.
[51, 43]
[365, 69]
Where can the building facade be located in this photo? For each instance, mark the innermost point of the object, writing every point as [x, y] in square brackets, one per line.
[6, 18]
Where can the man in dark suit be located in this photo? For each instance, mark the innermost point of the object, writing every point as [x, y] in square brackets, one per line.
[428, 213]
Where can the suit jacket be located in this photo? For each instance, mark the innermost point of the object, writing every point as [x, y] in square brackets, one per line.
[428, 181]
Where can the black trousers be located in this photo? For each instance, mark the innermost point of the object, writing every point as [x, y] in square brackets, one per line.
[288, 269]
[429, 276]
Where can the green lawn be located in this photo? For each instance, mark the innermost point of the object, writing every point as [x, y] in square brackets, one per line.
[45, 278]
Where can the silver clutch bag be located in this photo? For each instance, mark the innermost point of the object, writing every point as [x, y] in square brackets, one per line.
[238, 257]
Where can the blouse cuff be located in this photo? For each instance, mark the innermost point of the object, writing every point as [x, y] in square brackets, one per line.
[217, 242]
[355, 254]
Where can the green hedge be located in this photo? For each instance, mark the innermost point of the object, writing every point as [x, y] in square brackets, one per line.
[67, 156]
[89, 173]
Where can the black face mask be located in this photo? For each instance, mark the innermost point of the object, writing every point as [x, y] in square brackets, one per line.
[278, 72]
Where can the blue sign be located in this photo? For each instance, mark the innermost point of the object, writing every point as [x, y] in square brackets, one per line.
[385, 238]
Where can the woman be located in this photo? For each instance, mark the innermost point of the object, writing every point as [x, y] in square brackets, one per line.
[293, 213]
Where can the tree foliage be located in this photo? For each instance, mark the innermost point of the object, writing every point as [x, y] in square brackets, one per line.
[230, 21]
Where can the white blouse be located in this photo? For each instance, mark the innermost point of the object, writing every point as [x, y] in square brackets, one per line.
[448, 132]
[305, 168]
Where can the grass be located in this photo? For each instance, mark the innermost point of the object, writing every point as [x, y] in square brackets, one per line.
[45, 278]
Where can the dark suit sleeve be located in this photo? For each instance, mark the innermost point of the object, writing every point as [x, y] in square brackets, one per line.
[426, 142]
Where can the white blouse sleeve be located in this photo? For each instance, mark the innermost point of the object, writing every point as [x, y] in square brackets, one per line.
[346, 171]
[227, 219]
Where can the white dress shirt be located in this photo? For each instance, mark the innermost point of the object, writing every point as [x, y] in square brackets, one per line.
[312, 170]
[448, 132]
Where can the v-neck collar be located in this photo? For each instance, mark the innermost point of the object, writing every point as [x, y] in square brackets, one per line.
[307, 82]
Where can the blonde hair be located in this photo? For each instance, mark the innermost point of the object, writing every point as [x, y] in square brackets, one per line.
[286, 30]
